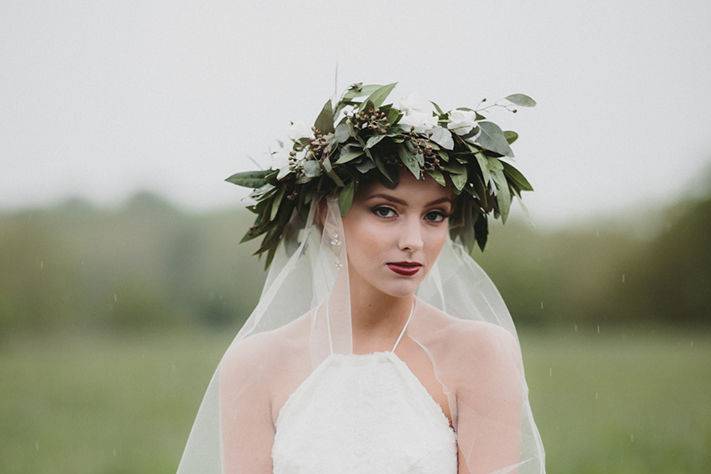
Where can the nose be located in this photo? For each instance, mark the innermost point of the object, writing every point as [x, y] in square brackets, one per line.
[411, 236]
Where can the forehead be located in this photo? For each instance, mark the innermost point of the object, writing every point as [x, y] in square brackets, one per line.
[409, 189]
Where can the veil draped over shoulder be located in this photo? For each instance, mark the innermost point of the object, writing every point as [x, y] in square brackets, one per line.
[462, 326]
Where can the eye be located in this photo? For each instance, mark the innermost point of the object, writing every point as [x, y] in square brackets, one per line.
[376, 210]
[444, 216]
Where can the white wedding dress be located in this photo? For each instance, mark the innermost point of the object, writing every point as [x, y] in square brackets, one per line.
[363, 413]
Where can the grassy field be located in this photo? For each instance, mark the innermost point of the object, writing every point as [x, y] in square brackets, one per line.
[628, 401]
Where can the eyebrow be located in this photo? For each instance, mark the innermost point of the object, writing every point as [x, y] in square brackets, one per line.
[403, 203]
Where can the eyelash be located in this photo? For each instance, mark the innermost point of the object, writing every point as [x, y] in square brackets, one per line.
[375, 209]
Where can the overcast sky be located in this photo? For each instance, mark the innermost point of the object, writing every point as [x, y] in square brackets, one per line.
[99, 99]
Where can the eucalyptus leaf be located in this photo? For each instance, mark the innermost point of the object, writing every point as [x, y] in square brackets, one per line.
[492, 138]
[521, 99]
[343, 132]
[378, 96]
[312, 168]
[373, 140]
[348, 153]
[459, 180]
[381, 167]
[324, 121]
[410, 161]
[365, 166]
[442, 137]
[438, 176]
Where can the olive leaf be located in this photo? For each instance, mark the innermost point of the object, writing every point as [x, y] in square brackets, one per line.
[249, 179]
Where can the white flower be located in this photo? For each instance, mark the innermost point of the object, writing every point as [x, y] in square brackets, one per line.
[419, 122]
[299, 130]
[461, 122]
[413, 103]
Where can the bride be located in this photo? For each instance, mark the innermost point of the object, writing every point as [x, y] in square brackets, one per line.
[378, 345]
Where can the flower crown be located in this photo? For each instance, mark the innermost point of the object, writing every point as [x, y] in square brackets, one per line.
[361, 136]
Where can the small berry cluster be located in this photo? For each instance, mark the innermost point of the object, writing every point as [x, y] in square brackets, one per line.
[372, 118]
[319, 145]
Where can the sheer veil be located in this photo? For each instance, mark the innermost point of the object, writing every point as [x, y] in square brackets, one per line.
[461, 325]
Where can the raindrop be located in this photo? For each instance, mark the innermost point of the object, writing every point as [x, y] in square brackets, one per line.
[541, 304]
[115, 298]
[598, 329]
[575, 326]
[550, 371]
[631, 437]
[623, 278]
[597, 395]
[41, 264]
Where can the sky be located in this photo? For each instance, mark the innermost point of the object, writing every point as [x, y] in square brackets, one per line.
[101, 99]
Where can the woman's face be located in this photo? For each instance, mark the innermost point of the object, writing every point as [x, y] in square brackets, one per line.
[406, 224]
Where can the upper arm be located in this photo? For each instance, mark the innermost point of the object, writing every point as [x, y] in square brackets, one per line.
[490, 399]
[245, 409]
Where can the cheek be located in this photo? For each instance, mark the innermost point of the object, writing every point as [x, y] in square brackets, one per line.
[365, 240]
[435, 244]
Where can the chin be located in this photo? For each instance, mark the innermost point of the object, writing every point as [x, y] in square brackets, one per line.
[400, 289]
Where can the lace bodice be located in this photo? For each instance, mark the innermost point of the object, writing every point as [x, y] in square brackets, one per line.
[363, 413]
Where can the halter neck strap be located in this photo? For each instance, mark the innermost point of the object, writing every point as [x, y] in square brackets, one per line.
[330, 340]
[405, 326]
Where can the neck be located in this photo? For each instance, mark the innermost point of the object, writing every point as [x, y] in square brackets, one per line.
[377, 318]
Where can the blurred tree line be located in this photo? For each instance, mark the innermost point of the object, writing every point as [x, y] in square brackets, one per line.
[149, 265]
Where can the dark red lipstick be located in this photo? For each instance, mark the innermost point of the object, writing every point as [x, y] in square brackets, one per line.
[404, 268]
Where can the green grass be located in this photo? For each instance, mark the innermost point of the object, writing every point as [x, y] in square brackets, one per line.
[624, 402]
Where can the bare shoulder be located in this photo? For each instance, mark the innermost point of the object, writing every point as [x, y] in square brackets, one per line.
[266, 351]
[468, 338]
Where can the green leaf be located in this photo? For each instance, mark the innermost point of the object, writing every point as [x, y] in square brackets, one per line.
[517, 177]
[483, 166]
[481, 230]
[343, 132]
[249, 179]
[492, 138]
[365, 166]
[275, 203]
[324, 121]
[494, 164]
[503, 196]
[348, 153]
[437, 108]
[443, 137]
[438, 176]
[410, 161]
[378, 96]
[312, 168]
[393, 116]
[345, 198]
[459, 180]
[336, 179]
[510, 136]
[521, 99]
[381, 167]
[373, 140]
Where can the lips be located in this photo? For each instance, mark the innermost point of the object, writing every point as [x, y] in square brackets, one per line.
[404, 268]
